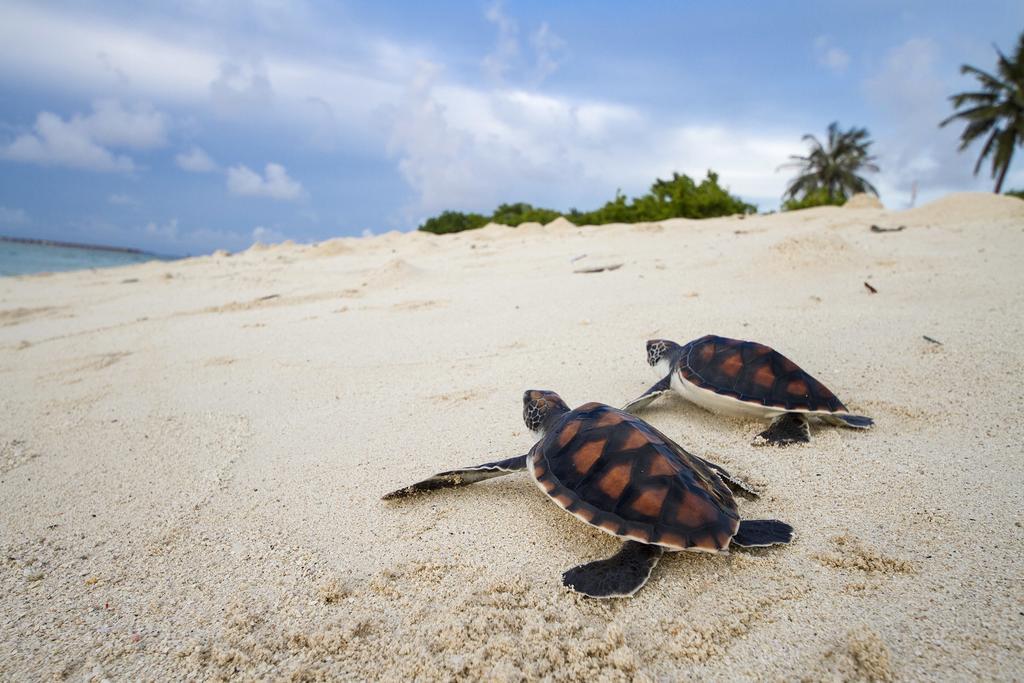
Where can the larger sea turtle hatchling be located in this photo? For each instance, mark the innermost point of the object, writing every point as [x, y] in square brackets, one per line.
[745, 379]
[614, 471]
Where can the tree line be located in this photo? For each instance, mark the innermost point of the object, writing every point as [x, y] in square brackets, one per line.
[679, 196]
[828, 174]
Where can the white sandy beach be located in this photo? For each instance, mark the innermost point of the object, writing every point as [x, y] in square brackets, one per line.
[192, 455]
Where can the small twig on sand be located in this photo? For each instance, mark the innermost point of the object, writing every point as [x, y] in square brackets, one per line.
[871, 289]
[929, 339]
[268, 297]
[599, 269]
[574, 259]
[878, 228]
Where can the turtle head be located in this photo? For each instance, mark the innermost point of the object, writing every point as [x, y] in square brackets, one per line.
[541, 409]
[661, 354]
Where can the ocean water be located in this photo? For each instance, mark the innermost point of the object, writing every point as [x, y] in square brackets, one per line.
[17, 258]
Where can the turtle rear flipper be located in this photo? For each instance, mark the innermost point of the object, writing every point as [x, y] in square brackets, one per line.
[786, 429]
[755, 533]
[461, 477]
[663, 386]
[619, 576]
[735, 484]
[847, 420]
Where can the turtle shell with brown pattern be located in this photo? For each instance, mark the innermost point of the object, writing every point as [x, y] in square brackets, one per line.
[618, 473]
[754, 373]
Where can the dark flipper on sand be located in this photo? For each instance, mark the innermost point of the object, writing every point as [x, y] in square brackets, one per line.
[663, 386]
[847, 420]
[755, 533]
[461, 477]
[618, 576]
[735, 484]
[786, 429]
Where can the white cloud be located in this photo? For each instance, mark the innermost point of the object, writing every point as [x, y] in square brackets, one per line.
[266, 235]
[829, 55]
[96, 54]
[58, 143]
[549, 49]
[456, 146]
[195, 160]
[471, 149]
[506, 50]
[10, 216]
[506, 58]
[194, 68]
[168, 232]
[241, 88]
[111, 124]
[367, 232]
[275, 182]
[82, 140]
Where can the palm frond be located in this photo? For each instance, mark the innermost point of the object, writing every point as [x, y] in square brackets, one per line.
[987, 79]
[996, 111]
[833, 166]
[985, 150]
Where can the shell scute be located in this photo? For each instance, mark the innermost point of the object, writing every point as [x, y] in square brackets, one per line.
[649, 502]
[586, 455]
[615, 479]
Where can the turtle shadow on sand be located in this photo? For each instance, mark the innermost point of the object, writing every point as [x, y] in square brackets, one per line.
[619, 474]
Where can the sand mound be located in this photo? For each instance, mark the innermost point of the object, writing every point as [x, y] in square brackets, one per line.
[966, 206]
[648, 227]
[390, 237]
[394, 272]
[814, 249]
[862, 200]
[673, 223]
[560, 223]
[490, 231]
[221, 253]
[530, 228]
[419, 237]
[339, 245]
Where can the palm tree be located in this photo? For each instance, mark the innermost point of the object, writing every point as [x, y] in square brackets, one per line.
[833, 168]
[996, 110]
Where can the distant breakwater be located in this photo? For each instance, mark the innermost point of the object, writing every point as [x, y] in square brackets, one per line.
[74, 245]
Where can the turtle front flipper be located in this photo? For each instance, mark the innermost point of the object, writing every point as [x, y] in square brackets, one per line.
[847, 420]
[645, 399]
[461, 477]
[786, 429]
[736, 485]
[619, 576]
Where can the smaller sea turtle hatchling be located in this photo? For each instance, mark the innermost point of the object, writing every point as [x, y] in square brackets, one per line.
[614, 471]
[745, 379]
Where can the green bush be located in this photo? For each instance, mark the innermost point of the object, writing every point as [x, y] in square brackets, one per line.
[517, 214]
[1019, 194]
[679, 197]
[454, 221]
[816, 198]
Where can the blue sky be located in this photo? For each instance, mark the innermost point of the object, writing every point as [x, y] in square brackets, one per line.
[187, 127]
